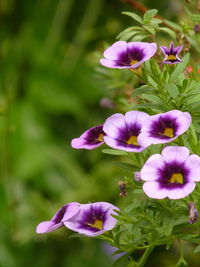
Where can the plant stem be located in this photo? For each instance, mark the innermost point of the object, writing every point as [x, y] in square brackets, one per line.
[145, 256]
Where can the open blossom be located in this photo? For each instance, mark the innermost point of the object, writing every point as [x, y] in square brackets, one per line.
[93, 219]
[164, 128]
[91, 139]
[172, 174]
[122, 131]
[171, 54]
[63, 214]
[128, 55]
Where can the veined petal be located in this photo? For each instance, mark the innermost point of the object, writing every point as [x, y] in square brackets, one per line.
[181, 192]
[132, 117]
[152, 189]
[150, 170]
[115, 50]
[114, 125]
[193, 164]
[175, 153]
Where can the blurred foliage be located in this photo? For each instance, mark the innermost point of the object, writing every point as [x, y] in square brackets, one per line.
[48, 90]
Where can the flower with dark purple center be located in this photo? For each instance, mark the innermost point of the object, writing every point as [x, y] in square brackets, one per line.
[63, 214]
[93, 219]
[172, 174]
[171, 54]
[122, 131]
[164, 128]
[91, 139]
[128, 55]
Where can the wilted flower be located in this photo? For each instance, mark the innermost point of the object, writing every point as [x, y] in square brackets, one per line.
[164, 128]
[122, 187]
[193, 213]
[171, 54]
[128, 55]
[93, 219]
[91, 139]
[122, 131]
[63, 214]
[172, 174]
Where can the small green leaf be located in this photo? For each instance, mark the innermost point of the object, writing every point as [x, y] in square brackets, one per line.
[127, 166]
[172, 90]
[173, 24]
[180, 67]
[133, 16]
[149, 15]
[139, 91]
[169, 31]
[139, 37]
[197, 249]
[149, 28]
[114, 152]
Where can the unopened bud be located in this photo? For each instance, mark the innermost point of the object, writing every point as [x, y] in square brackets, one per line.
[137, 177]
[107, 103]
[196, 28]
[193, 213]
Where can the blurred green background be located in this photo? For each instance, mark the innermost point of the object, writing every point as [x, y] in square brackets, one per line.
[50, 93]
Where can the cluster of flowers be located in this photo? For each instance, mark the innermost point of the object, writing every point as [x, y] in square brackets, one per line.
[123, 55]
[88, 219]
[171, 174]
[135, 130]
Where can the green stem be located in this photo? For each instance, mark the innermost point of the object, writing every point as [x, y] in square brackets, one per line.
[145, 256]
[143, 259]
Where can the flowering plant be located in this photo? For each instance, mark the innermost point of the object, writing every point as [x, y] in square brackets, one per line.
[156, 134]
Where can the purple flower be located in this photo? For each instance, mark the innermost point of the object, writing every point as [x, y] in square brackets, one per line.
[122, 131]
[90, 139]
[128, 55]
[93, 219]
[164, 128]
[62, 215]
[171, 54]
[172, 174]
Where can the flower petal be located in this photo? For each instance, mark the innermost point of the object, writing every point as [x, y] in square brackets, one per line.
[134, 116]
[181, 192]
[48, 226]
[183, 122]
[193, 164]
[150, 170]
[153, 190]
[175, 153]
[114, 125]
[115, 50]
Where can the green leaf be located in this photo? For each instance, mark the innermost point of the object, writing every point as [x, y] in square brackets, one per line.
[173, 24]
[180, 67]
[139, 91]
[127, 166]
[169, 31]
[133, 16]
[149, 28]
[156, 21]
[139, 37]
[195, 17]
[197, 249]
[114, 152]
[172, 90]
[149, 15]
